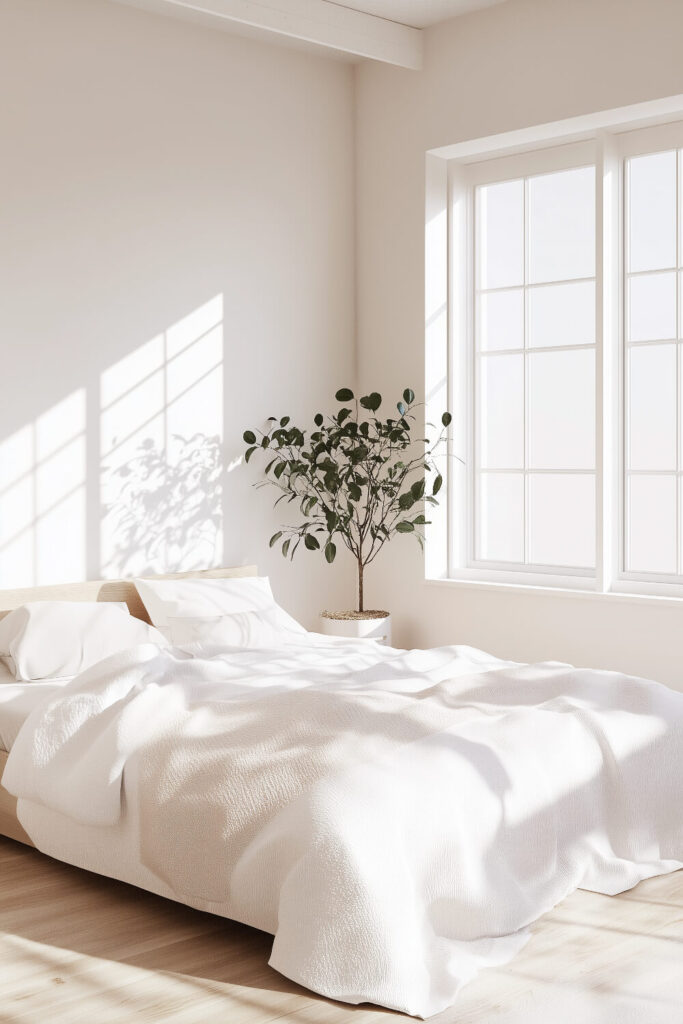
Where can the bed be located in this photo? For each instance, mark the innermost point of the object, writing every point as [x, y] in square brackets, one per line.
[17, 700]
[91, 590]
[395, 819]
[9, 823]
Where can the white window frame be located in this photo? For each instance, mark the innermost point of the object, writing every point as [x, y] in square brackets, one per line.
[452, 172]
[631, 144]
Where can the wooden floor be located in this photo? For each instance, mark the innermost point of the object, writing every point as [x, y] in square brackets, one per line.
[78, 948]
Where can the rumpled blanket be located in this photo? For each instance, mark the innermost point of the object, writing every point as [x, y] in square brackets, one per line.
[395, 819]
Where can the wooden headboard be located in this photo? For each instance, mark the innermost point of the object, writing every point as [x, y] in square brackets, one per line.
[109, 590]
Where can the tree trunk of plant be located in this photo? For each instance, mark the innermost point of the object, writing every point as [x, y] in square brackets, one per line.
[360, 586]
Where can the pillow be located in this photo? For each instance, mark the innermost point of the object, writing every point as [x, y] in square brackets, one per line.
[207, 598]
[59, 639]
[244, 629]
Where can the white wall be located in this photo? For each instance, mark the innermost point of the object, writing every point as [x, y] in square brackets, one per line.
[165, 189]
[522, 63]
[176, 257]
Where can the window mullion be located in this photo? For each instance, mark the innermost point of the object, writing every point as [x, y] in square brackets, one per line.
[601, 255]
[678, 366]
[609, 443]
[525, 378]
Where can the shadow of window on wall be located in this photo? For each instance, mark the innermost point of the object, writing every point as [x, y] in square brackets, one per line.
[124, 475]
[43, 497]
[161, 438]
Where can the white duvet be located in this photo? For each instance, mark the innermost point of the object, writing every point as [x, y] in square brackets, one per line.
[394, 819]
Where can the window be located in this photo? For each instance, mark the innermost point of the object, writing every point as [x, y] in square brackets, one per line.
[534, 338]
[652, 365]
[560, 353]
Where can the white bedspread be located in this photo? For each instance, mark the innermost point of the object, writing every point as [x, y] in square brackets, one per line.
[394, 819]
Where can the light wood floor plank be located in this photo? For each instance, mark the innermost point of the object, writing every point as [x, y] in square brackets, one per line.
[78, 948]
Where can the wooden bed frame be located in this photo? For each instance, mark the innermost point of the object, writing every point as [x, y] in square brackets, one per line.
[94, 590]
[9, 823]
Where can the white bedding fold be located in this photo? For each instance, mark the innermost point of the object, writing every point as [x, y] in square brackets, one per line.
[394, 819]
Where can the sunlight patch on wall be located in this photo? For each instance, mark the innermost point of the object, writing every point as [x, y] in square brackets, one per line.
[43, 497]
[161, 436]
[125, 474]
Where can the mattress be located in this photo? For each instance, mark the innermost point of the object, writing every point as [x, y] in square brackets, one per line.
[17, 701]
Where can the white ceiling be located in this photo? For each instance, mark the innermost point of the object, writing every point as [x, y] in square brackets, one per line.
[417, 13]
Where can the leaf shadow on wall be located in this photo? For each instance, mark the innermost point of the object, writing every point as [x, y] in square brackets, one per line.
[167, 512]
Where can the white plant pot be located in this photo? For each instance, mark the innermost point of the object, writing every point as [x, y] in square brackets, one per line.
[358, 625]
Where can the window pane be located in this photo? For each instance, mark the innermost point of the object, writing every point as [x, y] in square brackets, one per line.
[562, 410]
[651, 532]
[652, 407]
[562, 520]
[501, 320]
[501, 412]
[562, 314]
[652, 211]
[501, 520]
[500, 234]
[652, 307]
[562, 225]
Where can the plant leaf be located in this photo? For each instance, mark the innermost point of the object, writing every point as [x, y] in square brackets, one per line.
[344, 395]
[284, 421]
[371, 401]
[249, 437]
[417, 490]
[248, 454]
[318, 419]
[330, 551]
[437, 484]
[408, 396]
[311, 542]
[446, 419]
[404, 527]
[285, 546]
[275, 538]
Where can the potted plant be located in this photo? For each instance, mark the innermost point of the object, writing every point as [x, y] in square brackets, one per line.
[355, 480]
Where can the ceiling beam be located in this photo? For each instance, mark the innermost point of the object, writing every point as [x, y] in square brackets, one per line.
[318, 22]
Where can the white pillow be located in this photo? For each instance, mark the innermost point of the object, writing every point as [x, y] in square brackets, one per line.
[244, 629]
[59, 639]
[206, 598]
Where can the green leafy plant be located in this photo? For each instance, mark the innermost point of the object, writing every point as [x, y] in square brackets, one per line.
[353, 476]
